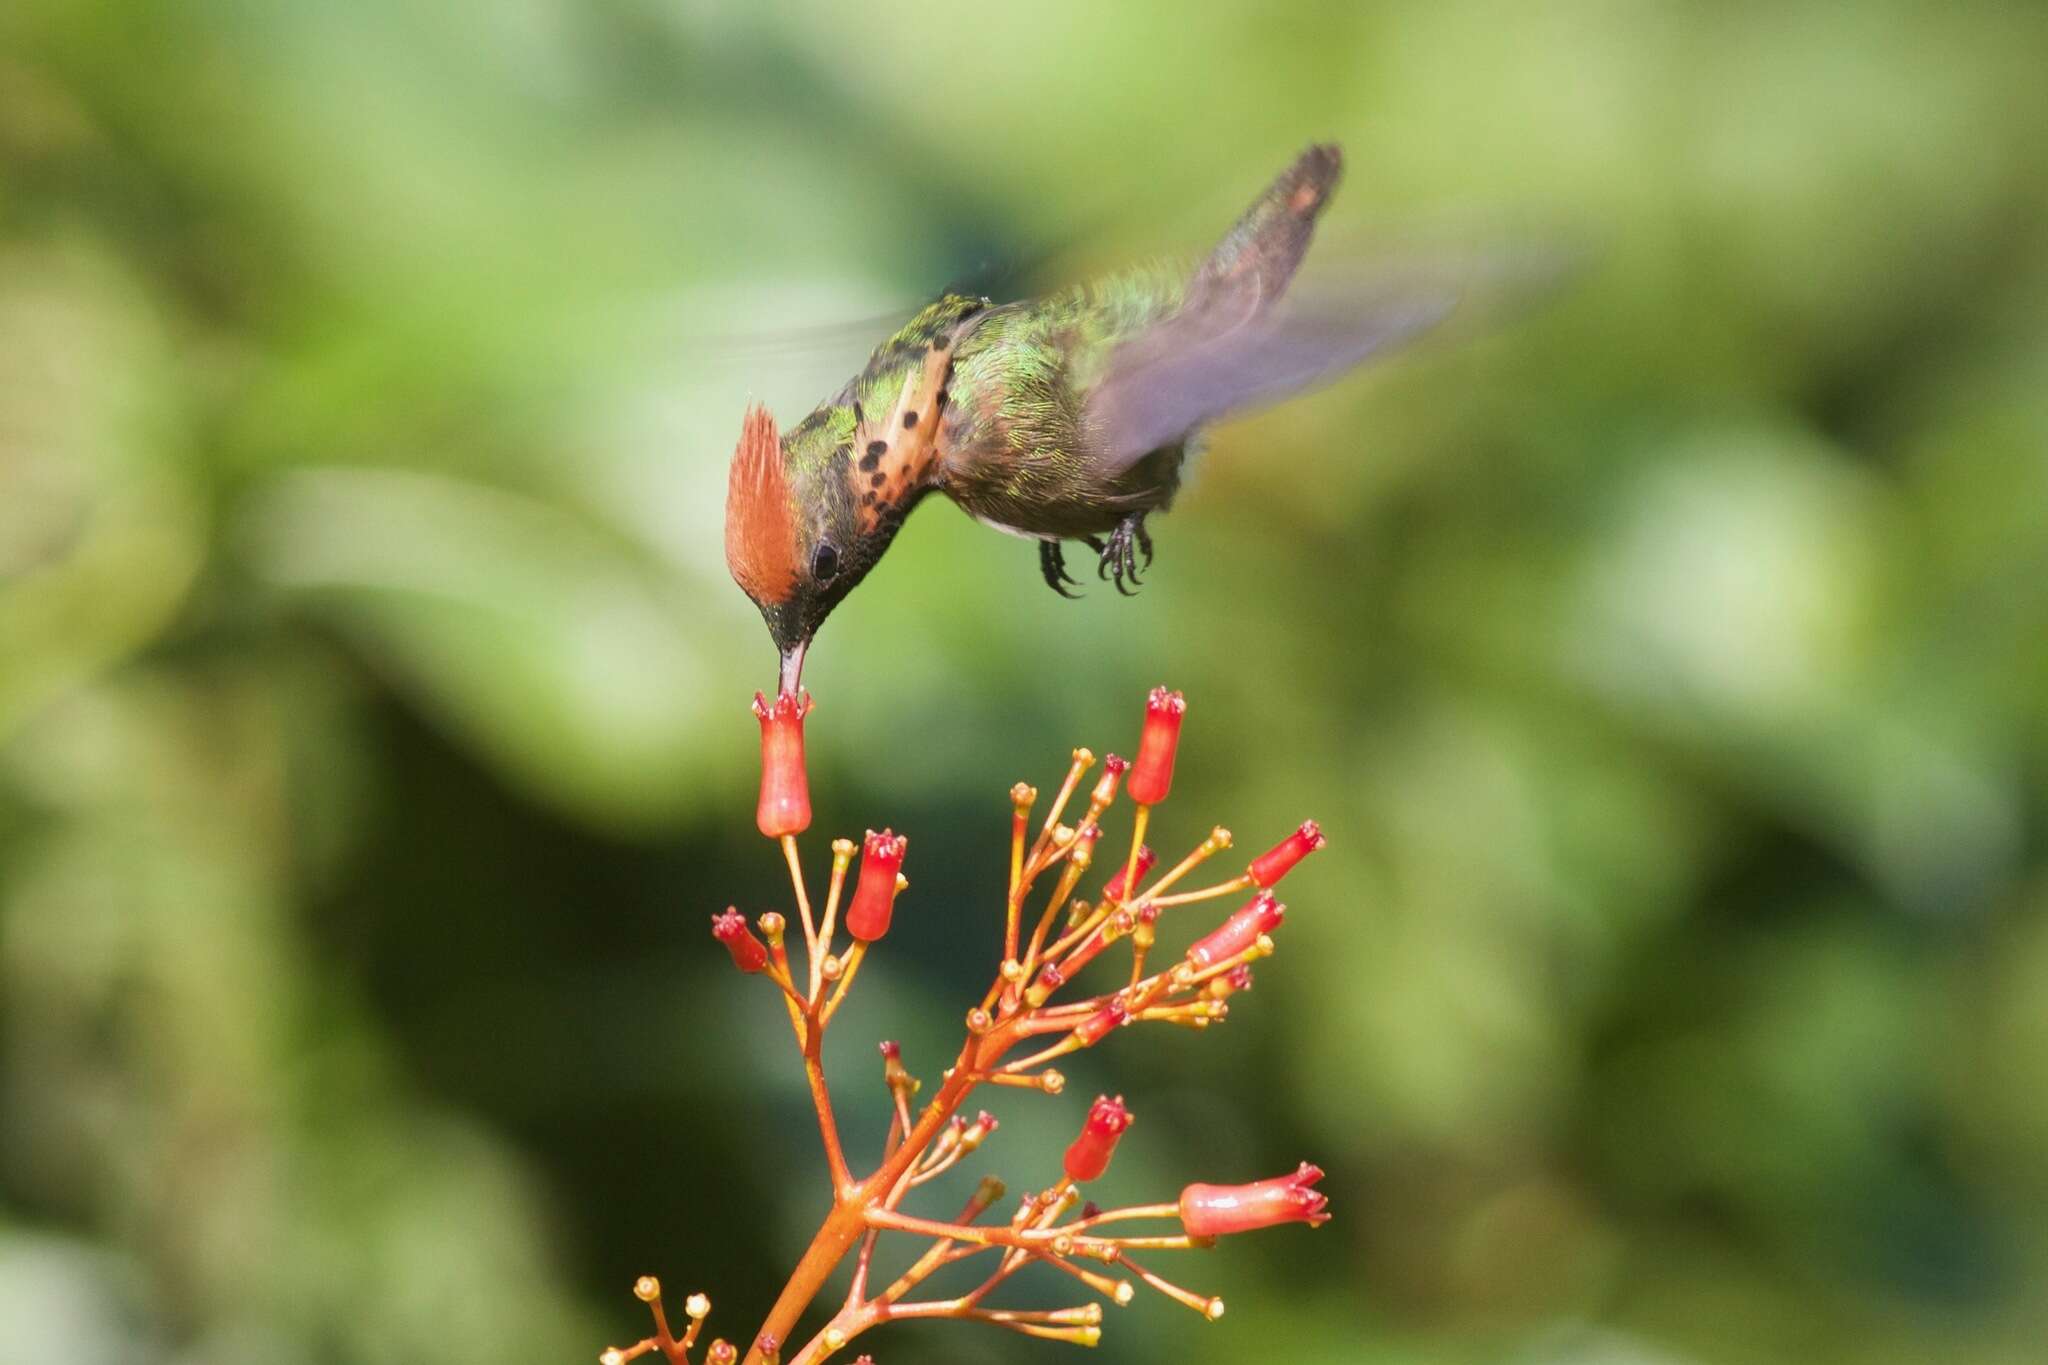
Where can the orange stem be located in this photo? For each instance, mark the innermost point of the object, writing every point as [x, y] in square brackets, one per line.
[848, 1220]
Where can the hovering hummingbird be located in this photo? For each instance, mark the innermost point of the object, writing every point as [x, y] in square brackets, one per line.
[1066, 417]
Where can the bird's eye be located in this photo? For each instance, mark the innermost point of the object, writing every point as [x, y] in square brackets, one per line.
[825, 564]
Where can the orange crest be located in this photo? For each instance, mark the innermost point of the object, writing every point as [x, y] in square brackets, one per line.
[760, 524]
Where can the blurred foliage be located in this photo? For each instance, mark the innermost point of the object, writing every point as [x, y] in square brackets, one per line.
[1667, 666]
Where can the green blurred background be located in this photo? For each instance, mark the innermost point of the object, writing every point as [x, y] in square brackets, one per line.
[1667, 666]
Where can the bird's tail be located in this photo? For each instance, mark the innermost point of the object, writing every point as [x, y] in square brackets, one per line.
[1259, 255]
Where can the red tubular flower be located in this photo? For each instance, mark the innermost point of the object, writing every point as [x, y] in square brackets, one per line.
[1089, 1155]
[1218, 1210]
[1279, 860]
[785, 806]
[1104, 1021]
[1261, 915]
[1152, 771]
[748, 952]
[881, 859]
[1116, 890]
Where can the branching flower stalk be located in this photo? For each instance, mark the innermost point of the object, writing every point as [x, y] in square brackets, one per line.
[1012, 1036]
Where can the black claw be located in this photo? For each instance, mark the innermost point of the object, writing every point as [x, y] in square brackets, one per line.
[1052, 564]
[1118, 557]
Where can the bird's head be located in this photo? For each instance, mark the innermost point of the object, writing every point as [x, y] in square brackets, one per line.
[795, 537]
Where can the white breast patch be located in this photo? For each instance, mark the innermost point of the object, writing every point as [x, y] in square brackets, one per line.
[1010, 530]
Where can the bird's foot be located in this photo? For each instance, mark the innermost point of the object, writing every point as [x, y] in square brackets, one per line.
[1119, 557]
[1052, 562]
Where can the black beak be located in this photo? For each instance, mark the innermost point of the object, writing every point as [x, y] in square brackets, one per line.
[793, 666]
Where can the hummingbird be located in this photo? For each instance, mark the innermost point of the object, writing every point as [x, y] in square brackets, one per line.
[1067, 417]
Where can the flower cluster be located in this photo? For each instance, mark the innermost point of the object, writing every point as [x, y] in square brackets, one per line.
[1057, 1225]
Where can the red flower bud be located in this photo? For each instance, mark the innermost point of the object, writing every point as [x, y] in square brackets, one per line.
[1100, 1024]
[893, 1073]
[785, 806]
[881, 859]
[1049, 980]
[1261, 915]
[1089, 1155]
[748, 953]
[1105, 785]
[1279, 860]
[1218, 1210]
[1238, 978]
[1116, 890]
[1152, 772]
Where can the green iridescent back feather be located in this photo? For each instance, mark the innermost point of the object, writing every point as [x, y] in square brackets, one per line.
[1018, 448]
[1061, 415]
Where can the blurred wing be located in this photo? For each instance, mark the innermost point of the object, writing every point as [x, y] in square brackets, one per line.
[1228, 351]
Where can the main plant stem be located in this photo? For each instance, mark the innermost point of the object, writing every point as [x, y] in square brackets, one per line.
[845, 1224]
